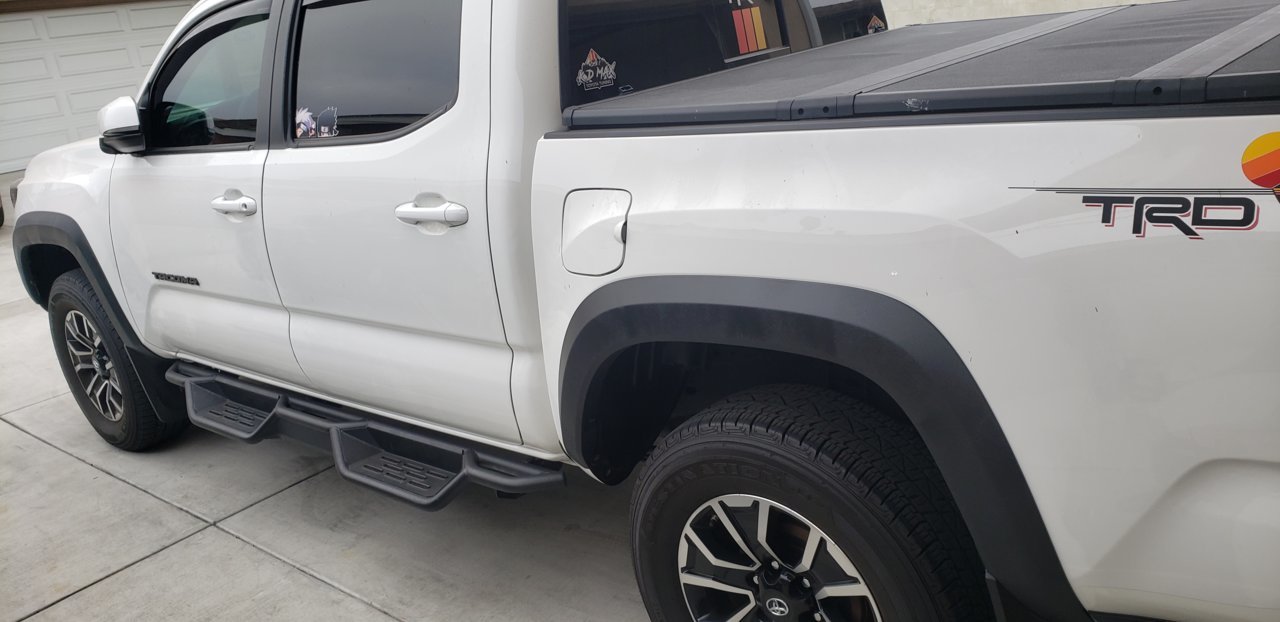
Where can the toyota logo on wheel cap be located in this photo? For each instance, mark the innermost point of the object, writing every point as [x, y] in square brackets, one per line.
[777, 607]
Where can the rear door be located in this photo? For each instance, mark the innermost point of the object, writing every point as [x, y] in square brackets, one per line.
[186, 217]
[379, 230]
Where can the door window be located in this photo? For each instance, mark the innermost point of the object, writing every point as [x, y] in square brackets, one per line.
[374, 66]
[207, 93]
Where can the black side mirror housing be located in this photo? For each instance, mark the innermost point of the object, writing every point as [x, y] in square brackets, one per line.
[122, 140]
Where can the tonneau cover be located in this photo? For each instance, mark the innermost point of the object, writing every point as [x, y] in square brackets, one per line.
[1180, 52]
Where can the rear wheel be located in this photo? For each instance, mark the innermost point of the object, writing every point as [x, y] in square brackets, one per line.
[791, 503]
[98, 370]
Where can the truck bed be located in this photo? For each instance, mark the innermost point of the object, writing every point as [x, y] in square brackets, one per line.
[1180, 52]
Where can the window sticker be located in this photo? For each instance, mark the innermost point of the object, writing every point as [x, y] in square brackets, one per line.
[876, 25]
[748, 25]
[323, 125]
[304, 124]
[327, 122]
[596, 72]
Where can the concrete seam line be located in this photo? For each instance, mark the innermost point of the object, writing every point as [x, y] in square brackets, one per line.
[110, 474]
[6, 413]
[308, 571]
[118, 570]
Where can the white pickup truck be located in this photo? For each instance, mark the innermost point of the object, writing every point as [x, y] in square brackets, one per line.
[962, 321]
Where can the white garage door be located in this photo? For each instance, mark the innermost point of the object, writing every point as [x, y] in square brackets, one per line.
[57, 68]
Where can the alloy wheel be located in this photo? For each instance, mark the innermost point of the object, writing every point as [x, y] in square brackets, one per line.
[746, 558]
[92, 366]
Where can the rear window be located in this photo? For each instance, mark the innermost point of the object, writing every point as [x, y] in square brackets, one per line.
[614, 47]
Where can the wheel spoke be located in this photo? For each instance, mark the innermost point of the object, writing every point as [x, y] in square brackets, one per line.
[735, 532]
[702, 548]
[689, 578]
[92, 387]
[78, 349]
[115, 404]
[101, 392]
[762, 529]
[810, 550]
[79, 330]
[696, 580]
[850, 589]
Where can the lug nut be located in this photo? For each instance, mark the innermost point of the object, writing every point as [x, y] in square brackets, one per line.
[805, 583]
[817, 617]
[755, 579]
[774, 564]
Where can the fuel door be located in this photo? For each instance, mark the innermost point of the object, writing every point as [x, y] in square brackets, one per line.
[593, 234]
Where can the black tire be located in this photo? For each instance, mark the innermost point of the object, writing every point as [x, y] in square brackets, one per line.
[862, 477]
[138, 426]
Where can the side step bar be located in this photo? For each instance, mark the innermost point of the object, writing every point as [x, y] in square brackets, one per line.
[421, 467]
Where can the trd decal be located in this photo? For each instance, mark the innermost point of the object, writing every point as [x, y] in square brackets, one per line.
[176, 278]
[1188, 215]
[1189, 210]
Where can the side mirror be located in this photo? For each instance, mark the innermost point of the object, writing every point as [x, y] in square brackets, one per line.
[121, 132]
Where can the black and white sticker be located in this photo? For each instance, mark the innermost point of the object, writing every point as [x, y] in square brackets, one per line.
[596, 72]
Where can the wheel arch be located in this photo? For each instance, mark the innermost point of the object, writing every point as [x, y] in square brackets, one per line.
[869, 334]
[47, 245]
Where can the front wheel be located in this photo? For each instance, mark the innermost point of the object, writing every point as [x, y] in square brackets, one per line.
[98, 369]
[792, 503]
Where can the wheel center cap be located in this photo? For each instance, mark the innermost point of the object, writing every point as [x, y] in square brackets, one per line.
[777, 607]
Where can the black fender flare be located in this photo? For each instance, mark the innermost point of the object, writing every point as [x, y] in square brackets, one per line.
[34, 229]
[872, 334]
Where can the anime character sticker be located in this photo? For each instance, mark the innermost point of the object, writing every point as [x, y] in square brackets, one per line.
[323, 125]
[304, 124]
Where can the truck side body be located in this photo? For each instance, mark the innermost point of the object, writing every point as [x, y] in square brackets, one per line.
[1074, 308]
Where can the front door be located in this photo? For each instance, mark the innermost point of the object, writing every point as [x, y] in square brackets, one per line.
[187, 216]
[378, 228]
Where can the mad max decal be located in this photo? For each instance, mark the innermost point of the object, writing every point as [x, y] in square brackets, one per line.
[596, 72]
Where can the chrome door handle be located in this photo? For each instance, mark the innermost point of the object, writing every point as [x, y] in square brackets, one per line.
[450, 214]
[239, 206]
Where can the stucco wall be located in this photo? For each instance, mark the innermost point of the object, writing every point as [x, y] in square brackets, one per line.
[904, 12]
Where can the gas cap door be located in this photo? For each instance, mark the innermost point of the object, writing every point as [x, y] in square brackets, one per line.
[593, 235]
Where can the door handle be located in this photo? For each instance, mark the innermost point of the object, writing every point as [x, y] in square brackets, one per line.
[238, 206]
[449, 213]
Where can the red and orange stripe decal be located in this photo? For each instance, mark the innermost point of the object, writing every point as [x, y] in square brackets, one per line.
[750, 30]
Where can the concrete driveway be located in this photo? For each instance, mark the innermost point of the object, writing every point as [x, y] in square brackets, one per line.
[211, 529]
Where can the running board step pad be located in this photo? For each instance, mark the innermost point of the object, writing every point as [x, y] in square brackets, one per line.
[423, 468]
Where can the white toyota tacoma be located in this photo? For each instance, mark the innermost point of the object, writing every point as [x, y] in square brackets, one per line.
[963, 321]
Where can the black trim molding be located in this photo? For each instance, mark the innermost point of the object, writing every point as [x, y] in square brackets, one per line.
[35, 229]
[880, 338]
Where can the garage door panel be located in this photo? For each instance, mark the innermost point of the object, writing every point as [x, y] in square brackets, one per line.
[94, 61]
[59, 67]
[25, 69]
[163, 17]
[79, 25]
[18, 30]
[30, 109]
